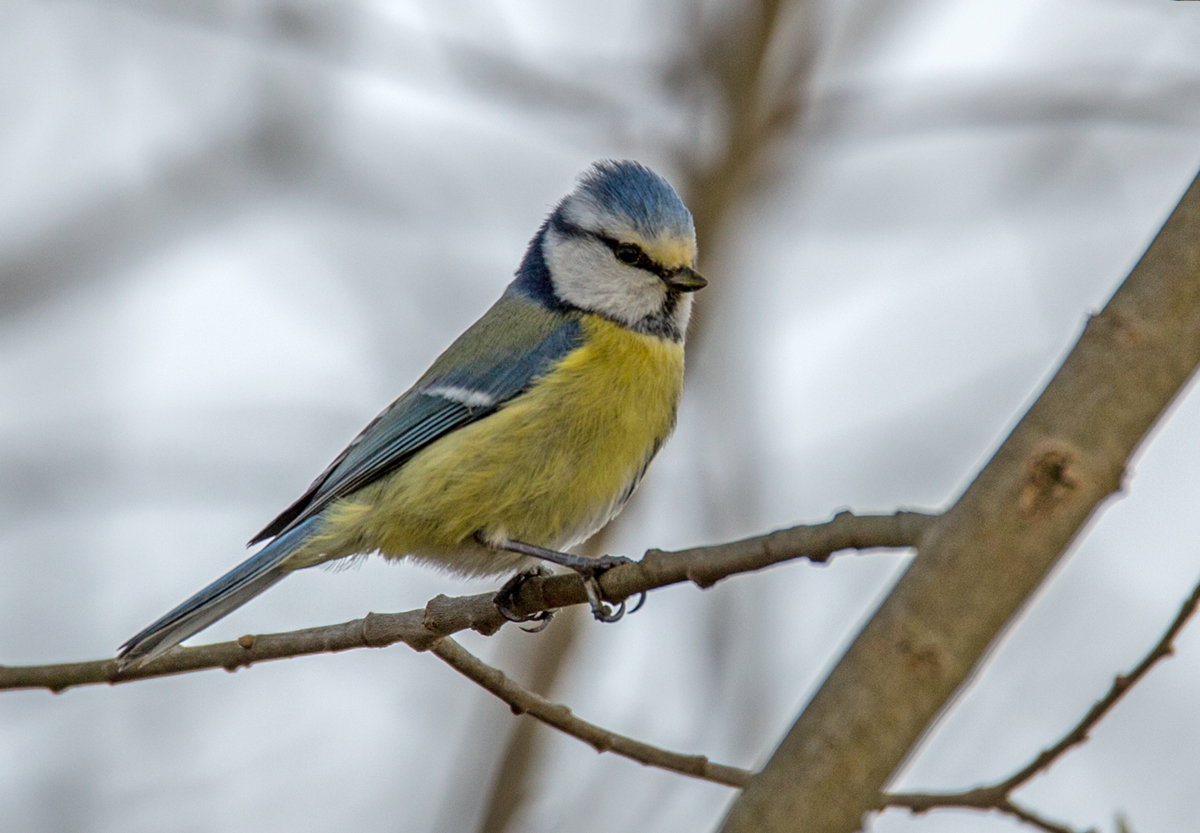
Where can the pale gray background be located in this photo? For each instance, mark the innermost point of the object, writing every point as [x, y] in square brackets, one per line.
[230, 232]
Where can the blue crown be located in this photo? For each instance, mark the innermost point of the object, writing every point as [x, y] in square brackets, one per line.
[637, 194]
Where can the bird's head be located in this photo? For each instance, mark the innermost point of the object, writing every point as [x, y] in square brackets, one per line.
[623, 245]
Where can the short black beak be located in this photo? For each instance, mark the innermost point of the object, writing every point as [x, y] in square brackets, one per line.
[685, 280]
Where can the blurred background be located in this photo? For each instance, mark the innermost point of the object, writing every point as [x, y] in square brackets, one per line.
[232, 231]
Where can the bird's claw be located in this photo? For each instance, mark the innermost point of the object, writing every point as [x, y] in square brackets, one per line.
[591, 584]
[601, 609]
[507, 595]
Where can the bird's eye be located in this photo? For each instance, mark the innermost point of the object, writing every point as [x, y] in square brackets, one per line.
[628, 253]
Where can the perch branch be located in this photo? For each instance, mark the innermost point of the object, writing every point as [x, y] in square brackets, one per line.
[443, 616]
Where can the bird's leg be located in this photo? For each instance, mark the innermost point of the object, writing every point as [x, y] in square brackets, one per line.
[589, 568]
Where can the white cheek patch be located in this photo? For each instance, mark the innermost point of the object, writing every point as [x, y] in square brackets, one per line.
[463, 396]
[587, 276]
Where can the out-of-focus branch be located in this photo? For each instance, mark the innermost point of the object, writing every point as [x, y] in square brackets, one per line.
[748, 76]
[443, 616]
[983, 559]
[551, 655]
[999, 796]
[759, 90]
[523, 701]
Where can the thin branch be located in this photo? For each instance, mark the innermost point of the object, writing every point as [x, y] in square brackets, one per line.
[998, 796]
[443, 616]
[1034, 820]
[523, 701]
[1163, 649]
[982, 798]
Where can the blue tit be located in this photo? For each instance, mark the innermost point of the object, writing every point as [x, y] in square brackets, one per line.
[528, 434]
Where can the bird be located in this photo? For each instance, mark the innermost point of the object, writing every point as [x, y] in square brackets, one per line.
[527, 435]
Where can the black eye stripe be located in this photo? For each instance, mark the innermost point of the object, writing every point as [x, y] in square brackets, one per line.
[642, 261]
[563, 226]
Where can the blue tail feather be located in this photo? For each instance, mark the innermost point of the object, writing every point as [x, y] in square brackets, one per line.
[222, 597]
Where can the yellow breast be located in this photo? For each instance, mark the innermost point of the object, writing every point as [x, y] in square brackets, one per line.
[548, 468]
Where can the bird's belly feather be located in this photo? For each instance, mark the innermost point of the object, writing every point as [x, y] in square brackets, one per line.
[550, 467]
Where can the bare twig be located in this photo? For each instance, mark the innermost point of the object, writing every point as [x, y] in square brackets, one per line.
[1120, 685]
[1034, 820]
[999, 796]
[442, 616]
[983, 798]
[523, 701]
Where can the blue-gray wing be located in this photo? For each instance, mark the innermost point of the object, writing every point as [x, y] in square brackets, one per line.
[497, 358]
